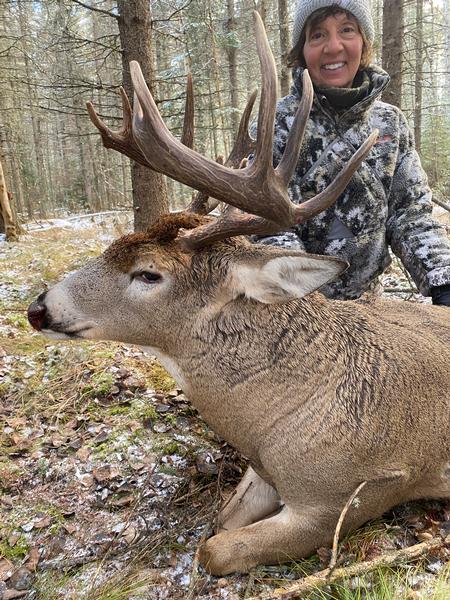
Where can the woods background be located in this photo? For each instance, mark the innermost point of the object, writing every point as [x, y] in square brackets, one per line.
[57, 54]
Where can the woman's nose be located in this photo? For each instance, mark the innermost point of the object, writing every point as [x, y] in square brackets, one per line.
[334, 44]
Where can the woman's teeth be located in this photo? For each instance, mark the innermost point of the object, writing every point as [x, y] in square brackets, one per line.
[333, 66]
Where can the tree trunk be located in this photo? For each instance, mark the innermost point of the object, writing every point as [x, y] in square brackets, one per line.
[446, 11]
[392, 50]
[149, 188]
[418, 79]
[7, 215]
[41, 188]
[284, 46]
[217, 79]
[232, 65]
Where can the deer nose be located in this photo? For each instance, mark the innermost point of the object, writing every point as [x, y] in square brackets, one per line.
[37, 313]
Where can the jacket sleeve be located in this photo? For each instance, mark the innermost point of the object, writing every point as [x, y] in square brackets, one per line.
[416, 238]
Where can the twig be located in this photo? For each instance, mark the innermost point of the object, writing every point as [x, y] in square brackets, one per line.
[250, 584]
[400, 290]
[95, 9]
[337, 531]
[442, 204]
[321, 578]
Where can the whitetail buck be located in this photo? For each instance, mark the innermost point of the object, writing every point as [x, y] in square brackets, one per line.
[320, 395]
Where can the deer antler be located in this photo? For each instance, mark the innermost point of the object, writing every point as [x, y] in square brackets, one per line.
[123, 140]
[242, 147]
[259, 188]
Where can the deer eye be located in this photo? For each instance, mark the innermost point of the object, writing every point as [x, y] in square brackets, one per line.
[147, 276]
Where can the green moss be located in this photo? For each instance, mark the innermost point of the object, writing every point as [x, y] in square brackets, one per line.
[171, 448]
[100, 384]
[16, 552]
[160, 379]
[120, 409]
[18, 320]
[170, 419]
[149, 412]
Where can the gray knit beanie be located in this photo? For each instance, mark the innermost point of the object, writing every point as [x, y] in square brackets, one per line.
[359, 9]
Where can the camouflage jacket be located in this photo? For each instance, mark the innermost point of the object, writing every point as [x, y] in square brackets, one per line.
[387, 202]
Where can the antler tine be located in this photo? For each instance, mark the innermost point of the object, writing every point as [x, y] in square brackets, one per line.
[121, 140]
[226, 226]
[187, 138]
[266, 115]
[242, 147]
[244, 144]
[291, 153]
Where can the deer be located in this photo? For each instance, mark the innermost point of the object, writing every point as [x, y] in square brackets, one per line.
[319, 395]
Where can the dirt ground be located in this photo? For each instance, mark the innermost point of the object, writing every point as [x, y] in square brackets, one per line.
[109, 479]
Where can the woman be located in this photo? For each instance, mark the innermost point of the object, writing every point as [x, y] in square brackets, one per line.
[388, 201]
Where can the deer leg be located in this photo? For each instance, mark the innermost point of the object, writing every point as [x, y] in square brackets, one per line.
[252, 500]
[283, 537]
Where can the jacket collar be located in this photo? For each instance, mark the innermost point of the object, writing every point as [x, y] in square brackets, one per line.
[379, 80]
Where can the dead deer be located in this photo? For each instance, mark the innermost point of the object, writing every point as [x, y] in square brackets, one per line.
[320, 395]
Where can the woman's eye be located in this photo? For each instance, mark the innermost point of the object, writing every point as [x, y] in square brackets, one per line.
[148, 277]
[316, 35]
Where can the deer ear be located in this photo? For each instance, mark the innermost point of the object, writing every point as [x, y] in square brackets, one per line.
[282, 278]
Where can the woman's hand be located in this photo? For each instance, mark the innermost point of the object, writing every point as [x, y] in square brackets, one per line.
[441, 295]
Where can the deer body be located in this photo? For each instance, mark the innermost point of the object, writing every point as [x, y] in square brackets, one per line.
[320, 395]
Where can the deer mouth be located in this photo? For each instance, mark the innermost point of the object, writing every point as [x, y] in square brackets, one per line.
[58, 331]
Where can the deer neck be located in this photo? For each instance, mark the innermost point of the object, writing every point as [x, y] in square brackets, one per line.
[230, 351]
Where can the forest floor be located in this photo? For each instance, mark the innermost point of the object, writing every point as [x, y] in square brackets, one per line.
[109, 479]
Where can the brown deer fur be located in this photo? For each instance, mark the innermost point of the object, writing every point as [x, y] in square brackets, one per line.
[320, 395]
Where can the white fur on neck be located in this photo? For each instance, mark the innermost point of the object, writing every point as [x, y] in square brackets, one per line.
[170, 366]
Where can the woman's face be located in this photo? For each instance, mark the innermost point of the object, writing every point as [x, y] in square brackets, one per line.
[333, 50]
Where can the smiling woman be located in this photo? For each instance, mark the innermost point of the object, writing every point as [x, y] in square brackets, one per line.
[333, 50]
[388, 201]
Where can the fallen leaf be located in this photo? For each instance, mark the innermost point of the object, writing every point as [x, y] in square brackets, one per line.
[11, 594]
[325, 555]
[83, 453]
[33, 559]
[105, 473]
[70, 528]
[6, 569]
[86, 480]
[42, 523]
[122, 501]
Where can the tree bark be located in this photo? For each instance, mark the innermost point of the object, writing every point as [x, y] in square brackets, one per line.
[41, 186]
[232, 65]
[149, 188]
[215, 63]
[392, 50]
[418, 78]
[7, 215]
[284, 46]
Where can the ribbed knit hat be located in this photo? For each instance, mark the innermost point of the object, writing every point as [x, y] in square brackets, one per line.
[359, 9]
